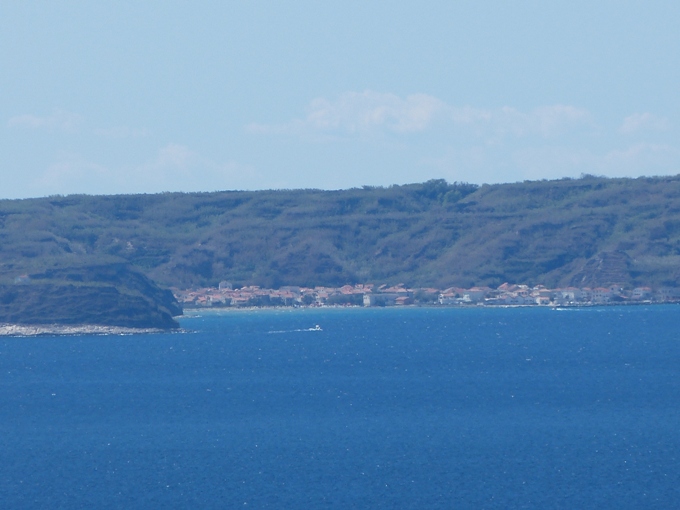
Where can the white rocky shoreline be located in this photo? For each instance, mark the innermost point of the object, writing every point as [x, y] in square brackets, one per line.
[60, 329]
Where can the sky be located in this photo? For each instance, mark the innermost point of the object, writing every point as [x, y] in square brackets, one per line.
[152, 96]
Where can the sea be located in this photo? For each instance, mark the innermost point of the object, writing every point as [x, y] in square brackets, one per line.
[400, 408]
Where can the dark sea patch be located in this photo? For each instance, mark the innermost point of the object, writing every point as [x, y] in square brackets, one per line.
[379, 408]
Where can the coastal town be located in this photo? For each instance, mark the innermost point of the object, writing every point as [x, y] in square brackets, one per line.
[372, 295]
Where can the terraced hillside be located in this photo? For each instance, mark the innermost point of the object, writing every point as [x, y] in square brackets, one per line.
[589, 231]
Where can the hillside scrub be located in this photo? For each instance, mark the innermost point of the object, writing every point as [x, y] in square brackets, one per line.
[557, 233]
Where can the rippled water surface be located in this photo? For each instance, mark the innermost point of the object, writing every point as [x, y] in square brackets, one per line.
[380, 408]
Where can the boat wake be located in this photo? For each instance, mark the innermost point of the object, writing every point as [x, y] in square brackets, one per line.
[315, 328]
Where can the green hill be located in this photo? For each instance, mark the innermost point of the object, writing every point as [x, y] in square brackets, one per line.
[589, 231]
[102, 294]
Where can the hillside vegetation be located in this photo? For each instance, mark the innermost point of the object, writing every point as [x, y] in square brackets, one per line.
[583, 232]
[111, 294]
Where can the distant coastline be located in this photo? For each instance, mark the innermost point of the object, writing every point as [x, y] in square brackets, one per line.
[369, 295]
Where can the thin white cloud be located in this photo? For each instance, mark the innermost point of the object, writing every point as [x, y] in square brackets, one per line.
[546, 121]
[71, 173]
[629, 161]
[173, 156]
[554, 162]
[643, 155]
[178, 168]
[122, 132]
[493, 127]
[643, 122]
[509, 163]
[59, 120]
[360, 113]
[174, 167]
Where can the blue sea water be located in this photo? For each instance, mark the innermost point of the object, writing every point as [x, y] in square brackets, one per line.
[384, 408]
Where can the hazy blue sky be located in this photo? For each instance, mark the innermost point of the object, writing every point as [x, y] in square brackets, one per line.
[149, 96]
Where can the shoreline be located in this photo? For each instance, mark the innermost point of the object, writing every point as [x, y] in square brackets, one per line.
[234, 309]
[36, 330]
[33, 330]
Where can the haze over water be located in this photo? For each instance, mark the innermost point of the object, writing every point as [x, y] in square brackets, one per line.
[381, 408]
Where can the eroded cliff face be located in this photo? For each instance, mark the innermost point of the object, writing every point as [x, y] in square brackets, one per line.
[108, 294]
